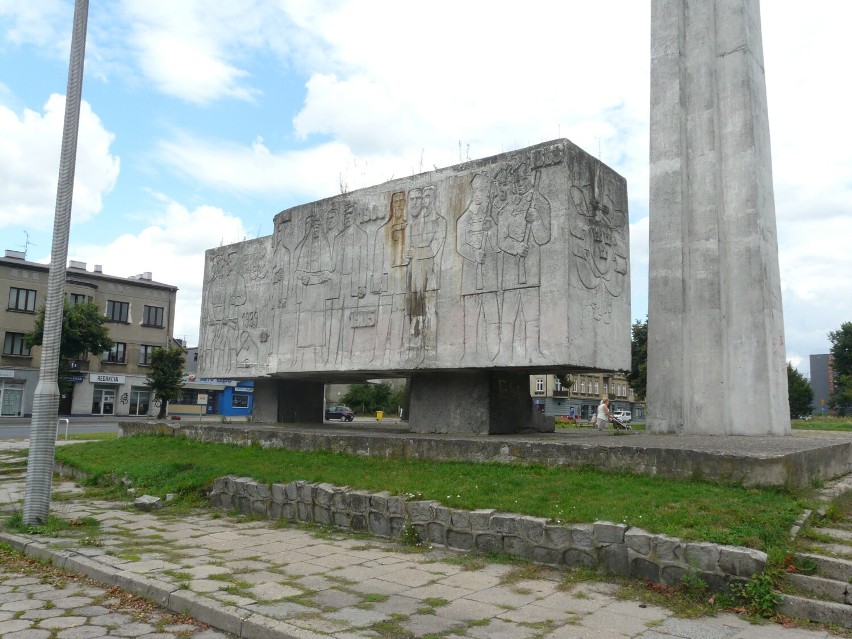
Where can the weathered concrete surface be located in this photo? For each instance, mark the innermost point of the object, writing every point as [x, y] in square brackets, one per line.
[751, 461]
[716, 355]
[519, 261]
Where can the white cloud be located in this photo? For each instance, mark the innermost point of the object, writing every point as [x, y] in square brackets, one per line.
[172, 249]
[30, 145]
[44, 24]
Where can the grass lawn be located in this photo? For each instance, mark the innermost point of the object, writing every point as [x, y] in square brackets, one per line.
[823, 423]
[694, 510]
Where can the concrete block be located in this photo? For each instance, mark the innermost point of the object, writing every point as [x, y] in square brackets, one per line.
[442, 515]
[322, 515]
[359, 501]
[306, 492]
[148, 503]
[323, 495]
[436, 533]
[379, 502]
[638, 541]
[668, 549]
[504, 523]
[546, 555]
[480, 518]
[488, 542]
[517, 546]
[826, 612]
[458, 540]
[574, 558]
[421, 511]
[613, 558]
[532, 528]
[741, 562]
[582, 536]
[278, 493]
[557, 536]
[379, 524]
[460, 519]
[291, 490]
[672, 575]
[702, 557]
[214, 613]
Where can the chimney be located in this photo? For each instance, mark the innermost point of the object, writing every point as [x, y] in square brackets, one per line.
[146, 275]
[99, 268]
[76, 264]
[17, 255]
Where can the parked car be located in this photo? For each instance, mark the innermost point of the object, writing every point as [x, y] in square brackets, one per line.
[624, 415]
[343, 413]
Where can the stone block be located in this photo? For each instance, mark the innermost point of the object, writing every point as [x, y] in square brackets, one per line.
[216, 500]
[421, 511]
[545, 555]
[442, 515]
[532, 528]
[460, 519]
[668, 549]
[241, 485]
[243, 503]
[323, 495]
[379, 502]
[279, 493]
[340, 499]
[582, 537]
[480, 518]
[517, 546]
[359, 522]
[251, 489]
[613, 558]
[226, 500]
[741, 562]
[379, 524]
[304, 512]
[641, 568]
[605, 532]
[702, 557]
[396, 506]
[322, 515]
[488, 542]
[359, 501]
[639, 541]
[574, 558]
[504, 523]
[341, 519]
[291, 490]
[396, 526]
[263, 491]
[557, 536]
[148, 503]
[458, 540]
[306, 492]
[436, 533]
[274, 511]
[259, 506]
[289, 511]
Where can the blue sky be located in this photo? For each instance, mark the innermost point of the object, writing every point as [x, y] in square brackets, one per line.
[202, 120]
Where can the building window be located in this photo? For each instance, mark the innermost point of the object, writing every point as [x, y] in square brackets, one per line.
[539, 385]
[145, 352]
[79, 298]
[188, 397]
[14, 344]
[22, 299]
[152, 316]
[117, 354]
[140, 400]
[597, 388]
[557, 385]
[606, 388]
[574, 387]
[118, 311]
[240, 400]
[583, 386]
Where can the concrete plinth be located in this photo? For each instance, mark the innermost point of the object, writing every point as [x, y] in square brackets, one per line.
[716, 355]
[475, 403]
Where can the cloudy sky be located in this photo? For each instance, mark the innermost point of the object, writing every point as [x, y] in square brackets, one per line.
[201, 120]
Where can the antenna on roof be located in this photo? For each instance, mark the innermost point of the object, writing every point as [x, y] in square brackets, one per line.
[27, 244]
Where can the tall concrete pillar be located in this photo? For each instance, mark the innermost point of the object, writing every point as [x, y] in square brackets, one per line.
[716, 355]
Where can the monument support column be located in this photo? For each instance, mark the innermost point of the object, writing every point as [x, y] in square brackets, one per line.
[716, 355]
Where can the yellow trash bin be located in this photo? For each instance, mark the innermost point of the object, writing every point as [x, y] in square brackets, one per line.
[379, 415]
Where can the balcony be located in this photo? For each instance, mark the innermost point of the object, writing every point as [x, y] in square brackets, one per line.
[81, 365]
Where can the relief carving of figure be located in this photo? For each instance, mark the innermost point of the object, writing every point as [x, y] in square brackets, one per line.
[350, 267]
[524, 225]
[389, 279]
[476, 242]
[427, 234]
[313, 287]
[282, 337]
[599, 240]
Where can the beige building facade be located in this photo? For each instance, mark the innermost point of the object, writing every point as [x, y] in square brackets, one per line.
[140, 316]
[582, 397]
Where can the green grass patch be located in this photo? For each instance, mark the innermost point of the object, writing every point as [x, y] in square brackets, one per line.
[54, 526]
[91, 436]
[692, 510]
[824, 423]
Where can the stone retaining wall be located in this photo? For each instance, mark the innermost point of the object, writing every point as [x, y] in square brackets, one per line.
[614, 548]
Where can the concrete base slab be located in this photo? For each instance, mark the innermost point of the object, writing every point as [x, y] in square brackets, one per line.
[750, 461]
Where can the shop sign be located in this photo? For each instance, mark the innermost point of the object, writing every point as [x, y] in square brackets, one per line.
[77, 379]
[244, 389]
[104, 378]
[7, 373]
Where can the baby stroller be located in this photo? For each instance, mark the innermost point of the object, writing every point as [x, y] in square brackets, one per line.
[619, 425]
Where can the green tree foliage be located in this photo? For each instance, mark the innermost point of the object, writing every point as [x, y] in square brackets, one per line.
[165, 375]
[841, 362]
[638, 377]
[368, 398]
[84, 331]
[800, 393]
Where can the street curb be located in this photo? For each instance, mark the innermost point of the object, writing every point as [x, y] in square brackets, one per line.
[245, 624]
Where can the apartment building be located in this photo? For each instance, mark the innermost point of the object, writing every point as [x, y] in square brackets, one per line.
[584, 394]
[140, 315]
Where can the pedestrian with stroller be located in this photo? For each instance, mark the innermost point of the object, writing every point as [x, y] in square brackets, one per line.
[603, 414]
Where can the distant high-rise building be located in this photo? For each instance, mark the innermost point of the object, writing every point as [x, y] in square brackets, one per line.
[822, 382]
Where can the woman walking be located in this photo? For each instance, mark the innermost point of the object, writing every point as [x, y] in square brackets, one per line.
[603, 414]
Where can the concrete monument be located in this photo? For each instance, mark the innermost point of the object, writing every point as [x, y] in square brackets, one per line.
[465, 279]
[716, 356]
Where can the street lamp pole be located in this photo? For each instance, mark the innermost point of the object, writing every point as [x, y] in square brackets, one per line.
[46, 398]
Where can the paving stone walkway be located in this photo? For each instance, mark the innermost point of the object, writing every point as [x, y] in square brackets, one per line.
[261, 580]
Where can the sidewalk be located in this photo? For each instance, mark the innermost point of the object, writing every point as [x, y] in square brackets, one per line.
[259, 579]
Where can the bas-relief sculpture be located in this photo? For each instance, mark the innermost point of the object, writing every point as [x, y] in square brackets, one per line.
[519, 261]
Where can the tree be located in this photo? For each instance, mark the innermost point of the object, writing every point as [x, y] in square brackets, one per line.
[372, 397]
[83, 332]
[841, 362]
[165, 375]
[638, 377]
[800, 393]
